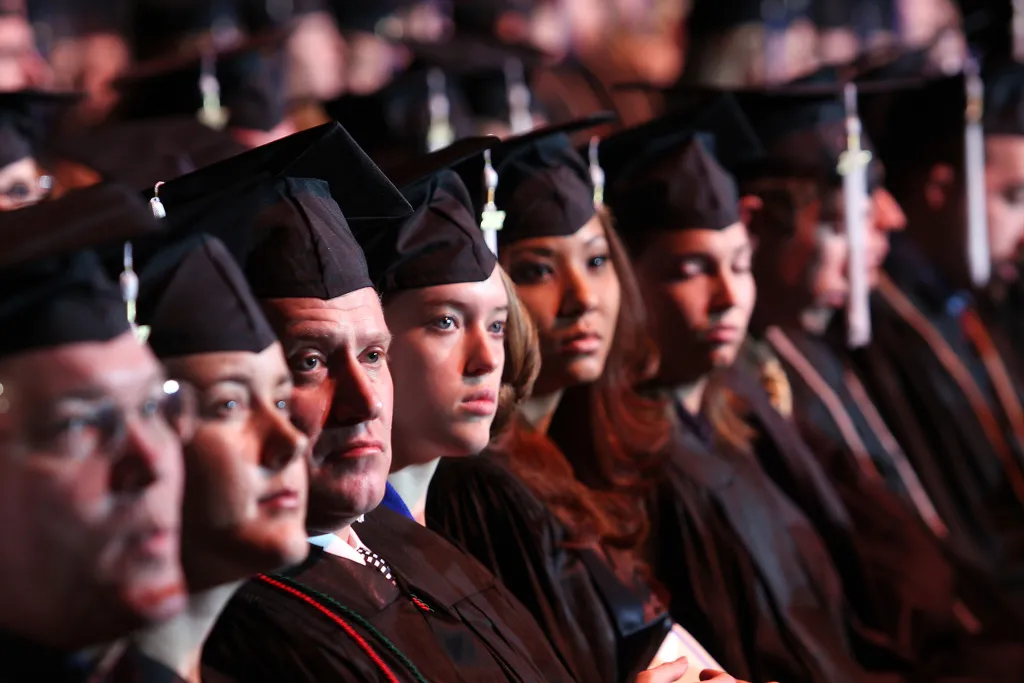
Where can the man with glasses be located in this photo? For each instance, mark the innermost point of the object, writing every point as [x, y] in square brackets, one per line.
[90, 447]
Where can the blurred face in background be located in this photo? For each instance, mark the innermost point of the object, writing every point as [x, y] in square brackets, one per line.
[21, 65]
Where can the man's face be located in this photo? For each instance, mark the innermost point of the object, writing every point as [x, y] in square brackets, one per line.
[1004, 181]
[21, 65]
[90, 493]
[337, 352]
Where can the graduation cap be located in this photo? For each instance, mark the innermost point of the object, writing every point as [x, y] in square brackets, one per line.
[164, 27]
[441, 242]
[533, 185]
[25, 120]
[481, 16]
[194, 298]
[363, 16]
[53, 290]
[238, 83]
[664, 175]
[420, 111]
[142, 153]
[287, 211]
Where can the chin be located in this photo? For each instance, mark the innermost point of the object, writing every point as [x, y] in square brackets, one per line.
[469, 439]
[335, 500]
[586, 370]
[156, 598]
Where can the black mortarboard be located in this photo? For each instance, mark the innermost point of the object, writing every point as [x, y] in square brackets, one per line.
[393, 125]
[481, 17]
[363, 16]
[163, 27]
[544, 186]
[51, 292]
[287, 209]
[249, 73]
[194, 298]
[711, 16]
[663, 174]
[441, 243]
[25, 120]
[144, 152]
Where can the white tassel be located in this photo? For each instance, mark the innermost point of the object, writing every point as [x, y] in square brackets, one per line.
[440, 134]
[597, 177]
[978, 255]
[155, 205]
[853, 166]
[492, 220]
[520, 119]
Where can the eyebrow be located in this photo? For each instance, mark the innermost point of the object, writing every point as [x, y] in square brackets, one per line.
[460, 306]
[535, 251]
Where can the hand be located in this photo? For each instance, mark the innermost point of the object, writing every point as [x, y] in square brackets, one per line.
[666, 673]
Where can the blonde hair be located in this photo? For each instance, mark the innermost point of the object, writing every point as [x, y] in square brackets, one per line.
[522, 358]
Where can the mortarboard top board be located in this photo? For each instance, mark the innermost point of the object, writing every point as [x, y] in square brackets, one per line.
[544, 185]
[26, 117]
[362, 16]
[194, 298]
[53, 289]
[441, 242]
[664, 175]
[392, 125]
[250, 74]
[88, 218]
[286, 210]
[141, 153]
[412, 170]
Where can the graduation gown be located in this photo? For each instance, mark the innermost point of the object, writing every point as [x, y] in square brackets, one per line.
[964, 467]
[444, 615]
[897, 576]
[22, 661]
[782, 616]
[605, 625]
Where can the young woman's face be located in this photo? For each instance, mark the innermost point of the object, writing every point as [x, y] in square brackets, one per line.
[571, 290]
[447, 354]
[245, 474]
[700, 293]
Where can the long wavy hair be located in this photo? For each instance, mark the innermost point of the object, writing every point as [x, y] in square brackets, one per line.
[590, 468]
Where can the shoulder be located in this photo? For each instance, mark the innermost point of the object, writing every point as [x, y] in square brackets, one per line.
[484, 484]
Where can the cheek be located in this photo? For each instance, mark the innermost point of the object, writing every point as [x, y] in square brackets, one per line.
[681, 307]
[220, 476]
[310, 405]
[541, 302]
[424, 380]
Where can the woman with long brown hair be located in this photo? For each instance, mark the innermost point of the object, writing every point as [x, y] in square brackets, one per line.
[569, 547]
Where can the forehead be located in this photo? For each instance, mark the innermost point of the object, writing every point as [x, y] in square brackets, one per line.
[203, 369]
[349, 314]
[591, 233]
[698, 241]
[1005, 153]
[482, 295]
[112, 367]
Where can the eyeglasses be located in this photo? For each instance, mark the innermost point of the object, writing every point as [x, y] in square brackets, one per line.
[83, 428]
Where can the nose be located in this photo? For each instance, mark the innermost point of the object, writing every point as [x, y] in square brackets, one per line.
[485, 354]
[726, 291]
[579, 296]
[283, 442]
[147, 455]
[889, 217]
[355, 400]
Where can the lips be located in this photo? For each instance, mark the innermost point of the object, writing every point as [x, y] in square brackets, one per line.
[153, 542]
[722, 334]
[582, 342]
[280, 499]
[482, 403]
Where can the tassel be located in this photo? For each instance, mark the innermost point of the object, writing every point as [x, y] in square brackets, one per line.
[853, 165]
[597, 177]
[155, 205]
[129, 282]
[978, 256]
[212, 114]
[520, 119]
[492, 220]
[440, 134]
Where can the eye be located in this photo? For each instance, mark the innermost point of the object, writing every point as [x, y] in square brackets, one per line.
[307, 362]
[150, 408]
[527, 273]
[498, 328]
[597, 261]
[690, 269]
[283, 405]
[445, 322]
[374, 357]
[17, 191]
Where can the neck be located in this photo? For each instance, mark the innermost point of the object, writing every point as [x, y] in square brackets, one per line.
[178, 643]
[691, 395]
[412, 483]
[539, 410]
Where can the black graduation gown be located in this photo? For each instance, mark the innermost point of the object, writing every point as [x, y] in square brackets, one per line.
[22, 661]
[896, 575]
[931, 417]
[785, 618]
[450, 617]
[604, 626]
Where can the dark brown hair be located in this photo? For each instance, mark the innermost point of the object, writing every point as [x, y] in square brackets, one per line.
[590, 467]
[522, 358]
